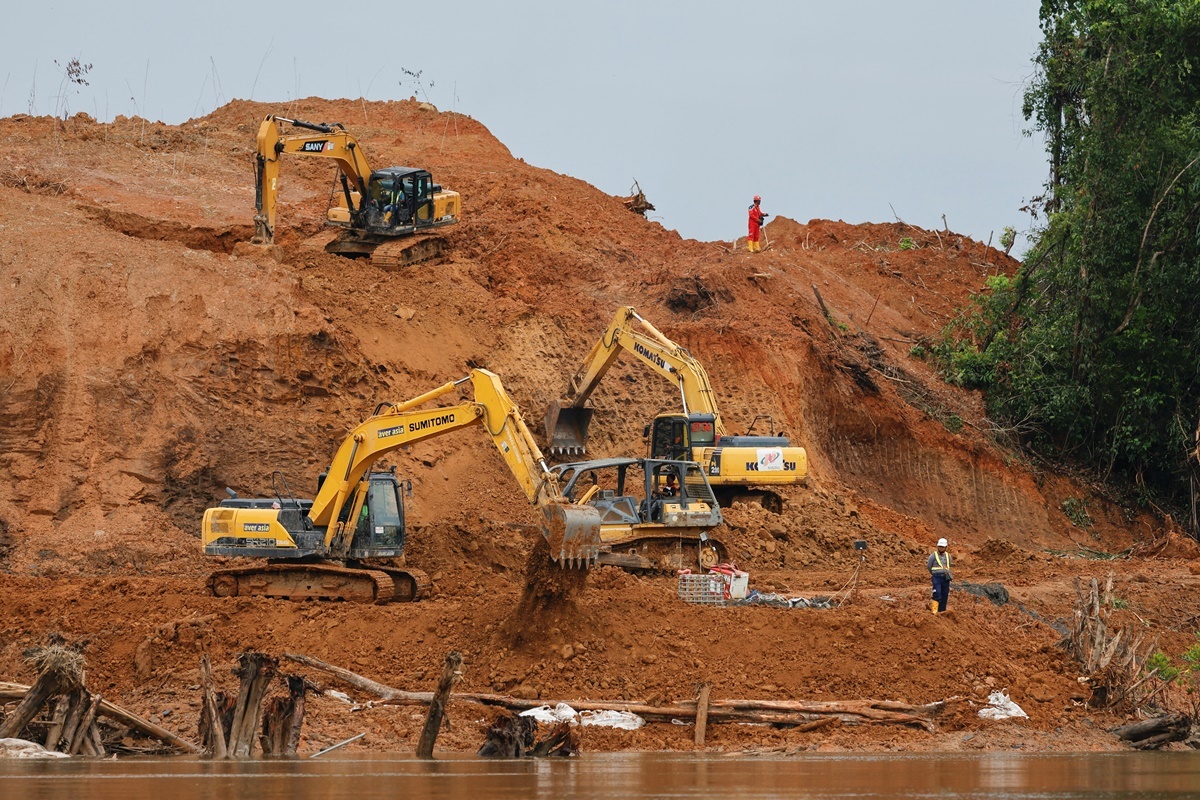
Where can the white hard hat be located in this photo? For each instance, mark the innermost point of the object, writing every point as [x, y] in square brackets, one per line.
[943, 543]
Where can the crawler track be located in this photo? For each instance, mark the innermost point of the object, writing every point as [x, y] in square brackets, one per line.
[377, 585]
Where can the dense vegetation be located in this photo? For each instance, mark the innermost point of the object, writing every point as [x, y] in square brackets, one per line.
[1092, 350]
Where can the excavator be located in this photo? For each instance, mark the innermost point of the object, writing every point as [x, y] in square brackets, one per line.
[737, 467]
[379, 211]
[331, 547]
[655, 514]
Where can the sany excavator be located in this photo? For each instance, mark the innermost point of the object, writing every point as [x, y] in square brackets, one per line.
[378, 210]
[737, 466]
[330, 547]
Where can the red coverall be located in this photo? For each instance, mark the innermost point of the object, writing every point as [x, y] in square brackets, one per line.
[756, 220]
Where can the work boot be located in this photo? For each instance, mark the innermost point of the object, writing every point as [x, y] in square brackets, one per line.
[933, 606]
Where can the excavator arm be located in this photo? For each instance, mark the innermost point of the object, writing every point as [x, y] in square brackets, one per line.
[568, 419]
[573, 531]
[322, 141]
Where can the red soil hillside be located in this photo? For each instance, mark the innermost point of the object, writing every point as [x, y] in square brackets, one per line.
[148, 360]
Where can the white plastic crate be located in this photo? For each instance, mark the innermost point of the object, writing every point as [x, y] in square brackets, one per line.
[707, 589]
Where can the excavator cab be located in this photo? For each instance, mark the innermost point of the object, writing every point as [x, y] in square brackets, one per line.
[380, 532]
[674, 435]
[400, 198]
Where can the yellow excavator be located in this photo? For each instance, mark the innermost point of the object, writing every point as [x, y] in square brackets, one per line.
[655, 514]
[379, 211]
[738, 467]
[331, 547]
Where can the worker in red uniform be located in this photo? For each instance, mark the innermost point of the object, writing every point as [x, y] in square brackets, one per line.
[756, 222]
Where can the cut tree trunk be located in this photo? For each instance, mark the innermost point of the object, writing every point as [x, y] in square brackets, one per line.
[282, 718]
[256, 671]
[47, 684]
[701, 713]
[451, 672]
[212, 729]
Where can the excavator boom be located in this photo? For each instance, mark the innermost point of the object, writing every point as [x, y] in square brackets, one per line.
[733, 464]
[567, 420]
[572, 532]
[326, 547]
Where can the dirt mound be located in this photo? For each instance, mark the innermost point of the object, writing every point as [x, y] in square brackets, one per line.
[149, 359]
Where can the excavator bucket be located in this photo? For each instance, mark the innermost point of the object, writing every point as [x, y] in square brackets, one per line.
[573, 533]
[566, 428]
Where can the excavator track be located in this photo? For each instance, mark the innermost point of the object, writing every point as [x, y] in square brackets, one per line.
[396, 255]
[304, 582]
[388, 253]
[663, 555]
[410, 584]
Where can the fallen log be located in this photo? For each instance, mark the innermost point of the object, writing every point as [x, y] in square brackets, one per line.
[779, 712]
[1151, 734]
[14, 691]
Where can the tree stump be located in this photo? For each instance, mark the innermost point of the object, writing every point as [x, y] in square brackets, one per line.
[256, 671]
[283, 717]
[451, 672]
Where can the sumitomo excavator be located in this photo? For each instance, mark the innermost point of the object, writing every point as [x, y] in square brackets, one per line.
[377, 210]
[738, 467]
[339, 545]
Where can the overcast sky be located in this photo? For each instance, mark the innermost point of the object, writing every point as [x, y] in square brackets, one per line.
[827, 109]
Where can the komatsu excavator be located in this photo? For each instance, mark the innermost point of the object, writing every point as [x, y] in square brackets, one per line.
[738, 467]
[379, 211]
[329, 547]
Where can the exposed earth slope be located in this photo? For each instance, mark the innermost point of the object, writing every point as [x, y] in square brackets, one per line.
[149, 358]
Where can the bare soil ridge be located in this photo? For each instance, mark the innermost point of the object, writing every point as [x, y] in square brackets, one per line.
[147, 360]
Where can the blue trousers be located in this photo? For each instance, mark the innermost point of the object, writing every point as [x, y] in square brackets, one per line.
[941, 589]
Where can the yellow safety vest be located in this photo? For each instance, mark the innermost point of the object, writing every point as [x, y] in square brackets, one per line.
[937, 559]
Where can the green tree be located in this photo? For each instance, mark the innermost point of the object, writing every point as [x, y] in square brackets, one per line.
[1094, 346]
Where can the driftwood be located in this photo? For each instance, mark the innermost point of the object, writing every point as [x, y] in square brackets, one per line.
[14, 691]
[82, 741]
[779, 712]
[451, 672]
[1153, 733]
[512, 736]
[54, 732]
[561, 741]
[508, 736]
[49, 683]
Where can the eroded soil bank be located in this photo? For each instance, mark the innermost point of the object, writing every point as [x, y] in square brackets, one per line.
[148, 360]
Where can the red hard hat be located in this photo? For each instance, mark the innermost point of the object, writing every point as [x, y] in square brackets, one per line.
[757, 199]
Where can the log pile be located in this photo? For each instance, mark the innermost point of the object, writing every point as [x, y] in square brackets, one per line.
[73, 725]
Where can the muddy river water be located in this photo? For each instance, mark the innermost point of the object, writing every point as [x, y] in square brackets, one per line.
[622, 775]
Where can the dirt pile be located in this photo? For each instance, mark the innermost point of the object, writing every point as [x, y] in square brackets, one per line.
[148, 360]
